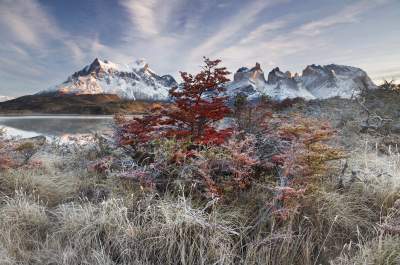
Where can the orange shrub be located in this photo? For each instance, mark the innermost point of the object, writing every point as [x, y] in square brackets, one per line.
[303, 158]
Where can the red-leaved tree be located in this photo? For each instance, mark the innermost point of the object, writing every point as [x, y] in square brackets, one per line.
[138, 129]
[197, 106]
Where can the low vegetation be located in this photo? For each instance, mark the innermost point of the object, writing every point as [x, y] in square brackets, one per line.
[269, 185]
[390, 85]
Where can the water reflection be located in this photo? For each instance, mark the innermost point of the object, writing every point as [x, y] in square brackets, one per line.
[30, 126]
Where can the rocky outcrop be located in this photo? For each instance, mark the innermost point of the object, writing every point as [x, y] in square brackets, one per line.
[335, 80]
[316, 82]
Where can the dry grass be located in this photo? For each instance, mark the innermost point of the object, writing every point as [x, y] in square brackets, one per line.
[61, 214]
[24, 227]
[48, 187]
[382, 250]
[376, 177]
[155, 232]
[378, 181]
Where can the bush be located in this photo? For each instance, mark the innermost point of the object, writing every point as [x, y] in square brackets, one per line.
[297, 151]
[286, 103]
[5, 160]
[25, 146]
[208, 171]
[250, 115]
[390, 85]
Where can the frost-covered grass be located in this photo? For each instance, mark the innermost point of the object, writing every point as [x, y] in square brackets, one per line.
[58, 212]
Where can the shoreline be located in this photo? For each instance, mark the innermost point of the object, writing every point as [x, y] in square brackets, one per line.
[54, 115]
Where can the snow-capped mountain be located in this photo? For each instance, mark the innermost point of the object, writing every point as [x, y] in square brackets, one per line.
[335, 80]
[137, 81]
[315, 82]
[134, 81]
[5, 98]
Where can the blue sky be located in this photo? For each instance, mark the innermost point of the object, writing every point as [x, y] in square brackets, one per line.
[44, 41]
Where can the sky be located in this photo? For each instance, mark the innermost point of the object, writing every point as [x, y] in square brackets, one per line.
[42, 42]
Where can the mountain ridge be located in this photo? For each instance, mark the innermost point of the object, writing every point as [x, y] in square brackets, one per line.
[315, 82]
[135, 81]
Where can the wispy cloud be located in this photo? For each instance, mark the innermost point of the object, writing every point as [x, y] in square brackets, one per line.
[233, 26]
[32, 42]
[144, 16]
[151, 17]
[350, 14]
[39, 46]
[264, 30]
[26, 23]
[283, 37]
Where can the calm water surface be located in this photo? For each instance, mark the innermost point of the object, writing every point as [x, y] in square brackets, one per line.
[54, 126]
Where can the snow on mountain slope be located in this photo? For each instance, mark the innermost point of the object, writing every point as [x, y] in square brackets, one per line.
[252, 83]
[134, 81]
[247, 82]
[5, 98]
[137, 81]
[315, 82]
[335, 80]
[283, 85]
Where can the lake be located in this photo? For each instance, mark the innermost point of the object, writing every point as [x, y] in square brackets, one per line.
[54, 125]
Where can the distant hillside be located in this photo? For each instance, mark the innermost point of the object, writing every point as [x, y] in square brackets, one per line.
[73, 104]
[5, 98]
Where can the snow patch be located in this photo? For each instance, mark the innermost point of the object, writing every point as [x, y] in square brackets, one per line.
[5, 98]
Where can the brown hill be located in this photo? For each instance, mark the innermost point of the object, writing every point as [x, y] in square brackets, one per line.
[73, 104]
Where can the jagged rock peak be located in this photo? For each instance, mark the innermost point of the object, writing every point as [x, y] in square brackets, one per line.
[96, 62]
[275, 75]
[132, 81]
[313, 69]
[255, 74]
[257, 67]
[316, 81]
[141, 63]
[336, 80]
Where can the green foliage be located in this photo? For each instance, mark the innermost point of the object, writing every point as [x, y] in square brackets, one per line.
[25, 146]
